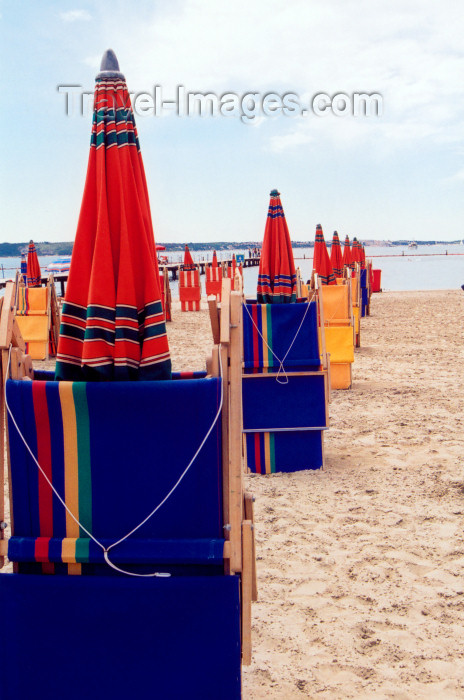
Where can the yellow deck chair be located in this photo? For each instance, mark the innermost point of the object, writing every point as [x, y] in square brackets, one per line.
[338, 325]
[38, 319]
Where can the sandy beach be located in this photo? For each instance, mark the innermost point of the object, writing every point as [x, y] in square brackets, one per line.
[360, 566]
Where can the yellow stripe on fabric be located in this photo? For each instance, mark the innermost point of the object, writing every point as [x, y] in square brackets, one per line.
[267, 454]
[22, 305]
[264, 333]
[71, 478]
[68, 550]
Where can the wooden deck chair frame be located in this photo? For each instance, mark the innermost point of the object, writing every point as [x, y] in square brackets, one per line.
[226, 326]
[239, 547]
[167, 294]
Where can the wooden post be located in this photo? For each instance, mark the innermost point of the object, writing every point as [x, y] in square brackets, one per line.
[226, 496]
[214, 318]
[249, 515]
[235, 429]
[225, 311]
[247, 578]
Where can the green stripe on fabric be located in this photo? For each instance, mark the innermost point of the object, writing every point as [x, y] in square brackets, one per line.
[270, 356]
[272, 452]
[83, 453]
[82, 550]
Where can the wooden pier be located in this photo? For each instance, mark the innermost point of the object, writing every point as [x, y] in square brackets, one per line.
[173, 268]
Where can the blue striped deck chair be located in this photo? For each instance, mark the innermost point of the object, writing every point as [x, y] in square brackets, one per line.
[284, 387]
[364, 292]
[115, 451]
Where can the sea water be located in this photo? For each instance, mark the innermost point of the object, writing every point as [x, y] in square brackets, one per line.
[426, 267]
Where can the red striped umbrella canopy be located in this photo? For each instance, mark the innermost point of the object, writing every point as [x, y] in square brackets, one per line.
[363, 255]
[215, 262]
[33, 273]
[321, 260]
[113, 325]
[188, 260]
[336, 258]
[277, 275]
[158, 246]
[347, 257]
[356, 252]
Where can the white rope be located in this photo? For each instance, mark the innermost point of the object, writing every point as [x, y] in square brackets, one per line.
[281, 362]
[76, 520]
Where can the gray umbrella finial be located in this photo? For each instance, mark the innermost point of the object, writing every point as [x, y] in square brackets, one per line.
[109, 67]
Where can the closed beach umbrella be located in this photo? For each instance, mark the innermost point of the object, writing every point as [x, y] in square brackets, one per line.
[277, 276]
[188, 260]
[347, 257]
[363, 255]
[33, 268]
[24, 267]
[336, 258]
[321, 260]
[112, 324]
[356, 252]
[215, 262]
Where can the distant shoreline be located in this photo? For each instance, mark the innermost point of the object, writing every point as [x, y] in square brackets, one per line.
[64, 248]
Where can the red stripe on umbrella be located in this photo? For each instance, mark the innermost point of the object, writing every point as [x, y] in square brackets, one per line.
[277, 276]
[112, 322]
[215, 262]
[321, 260]
[336, 258]
[33, 273]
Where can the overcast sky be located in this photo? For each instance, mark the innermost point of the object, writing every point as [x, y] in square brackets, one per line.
[397, 175]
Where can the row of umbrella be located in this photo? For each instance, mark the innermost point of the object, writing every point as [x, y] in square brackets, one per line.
[277, 274]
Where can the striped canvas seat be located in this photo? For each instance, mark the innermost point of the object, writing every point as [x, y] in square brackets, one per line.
[112, 451]
[364, 292]
[87, 438]
[284, 389]
[270, 329]
[189, 290]
[213, 282]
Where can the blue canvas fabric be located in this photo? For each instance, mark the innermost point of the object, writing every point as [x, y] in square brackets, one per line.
[278, 324]
[296, 405]
[95, 638]
[292, 451]
[141, 438]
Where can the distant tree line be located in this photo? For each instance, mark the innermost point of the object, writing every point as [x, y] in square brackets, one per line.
[14, 250]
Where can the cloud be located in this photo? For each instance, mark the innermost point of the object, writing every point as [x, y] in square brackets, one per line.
[76, 16]
[409, 52]
[459, 176]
